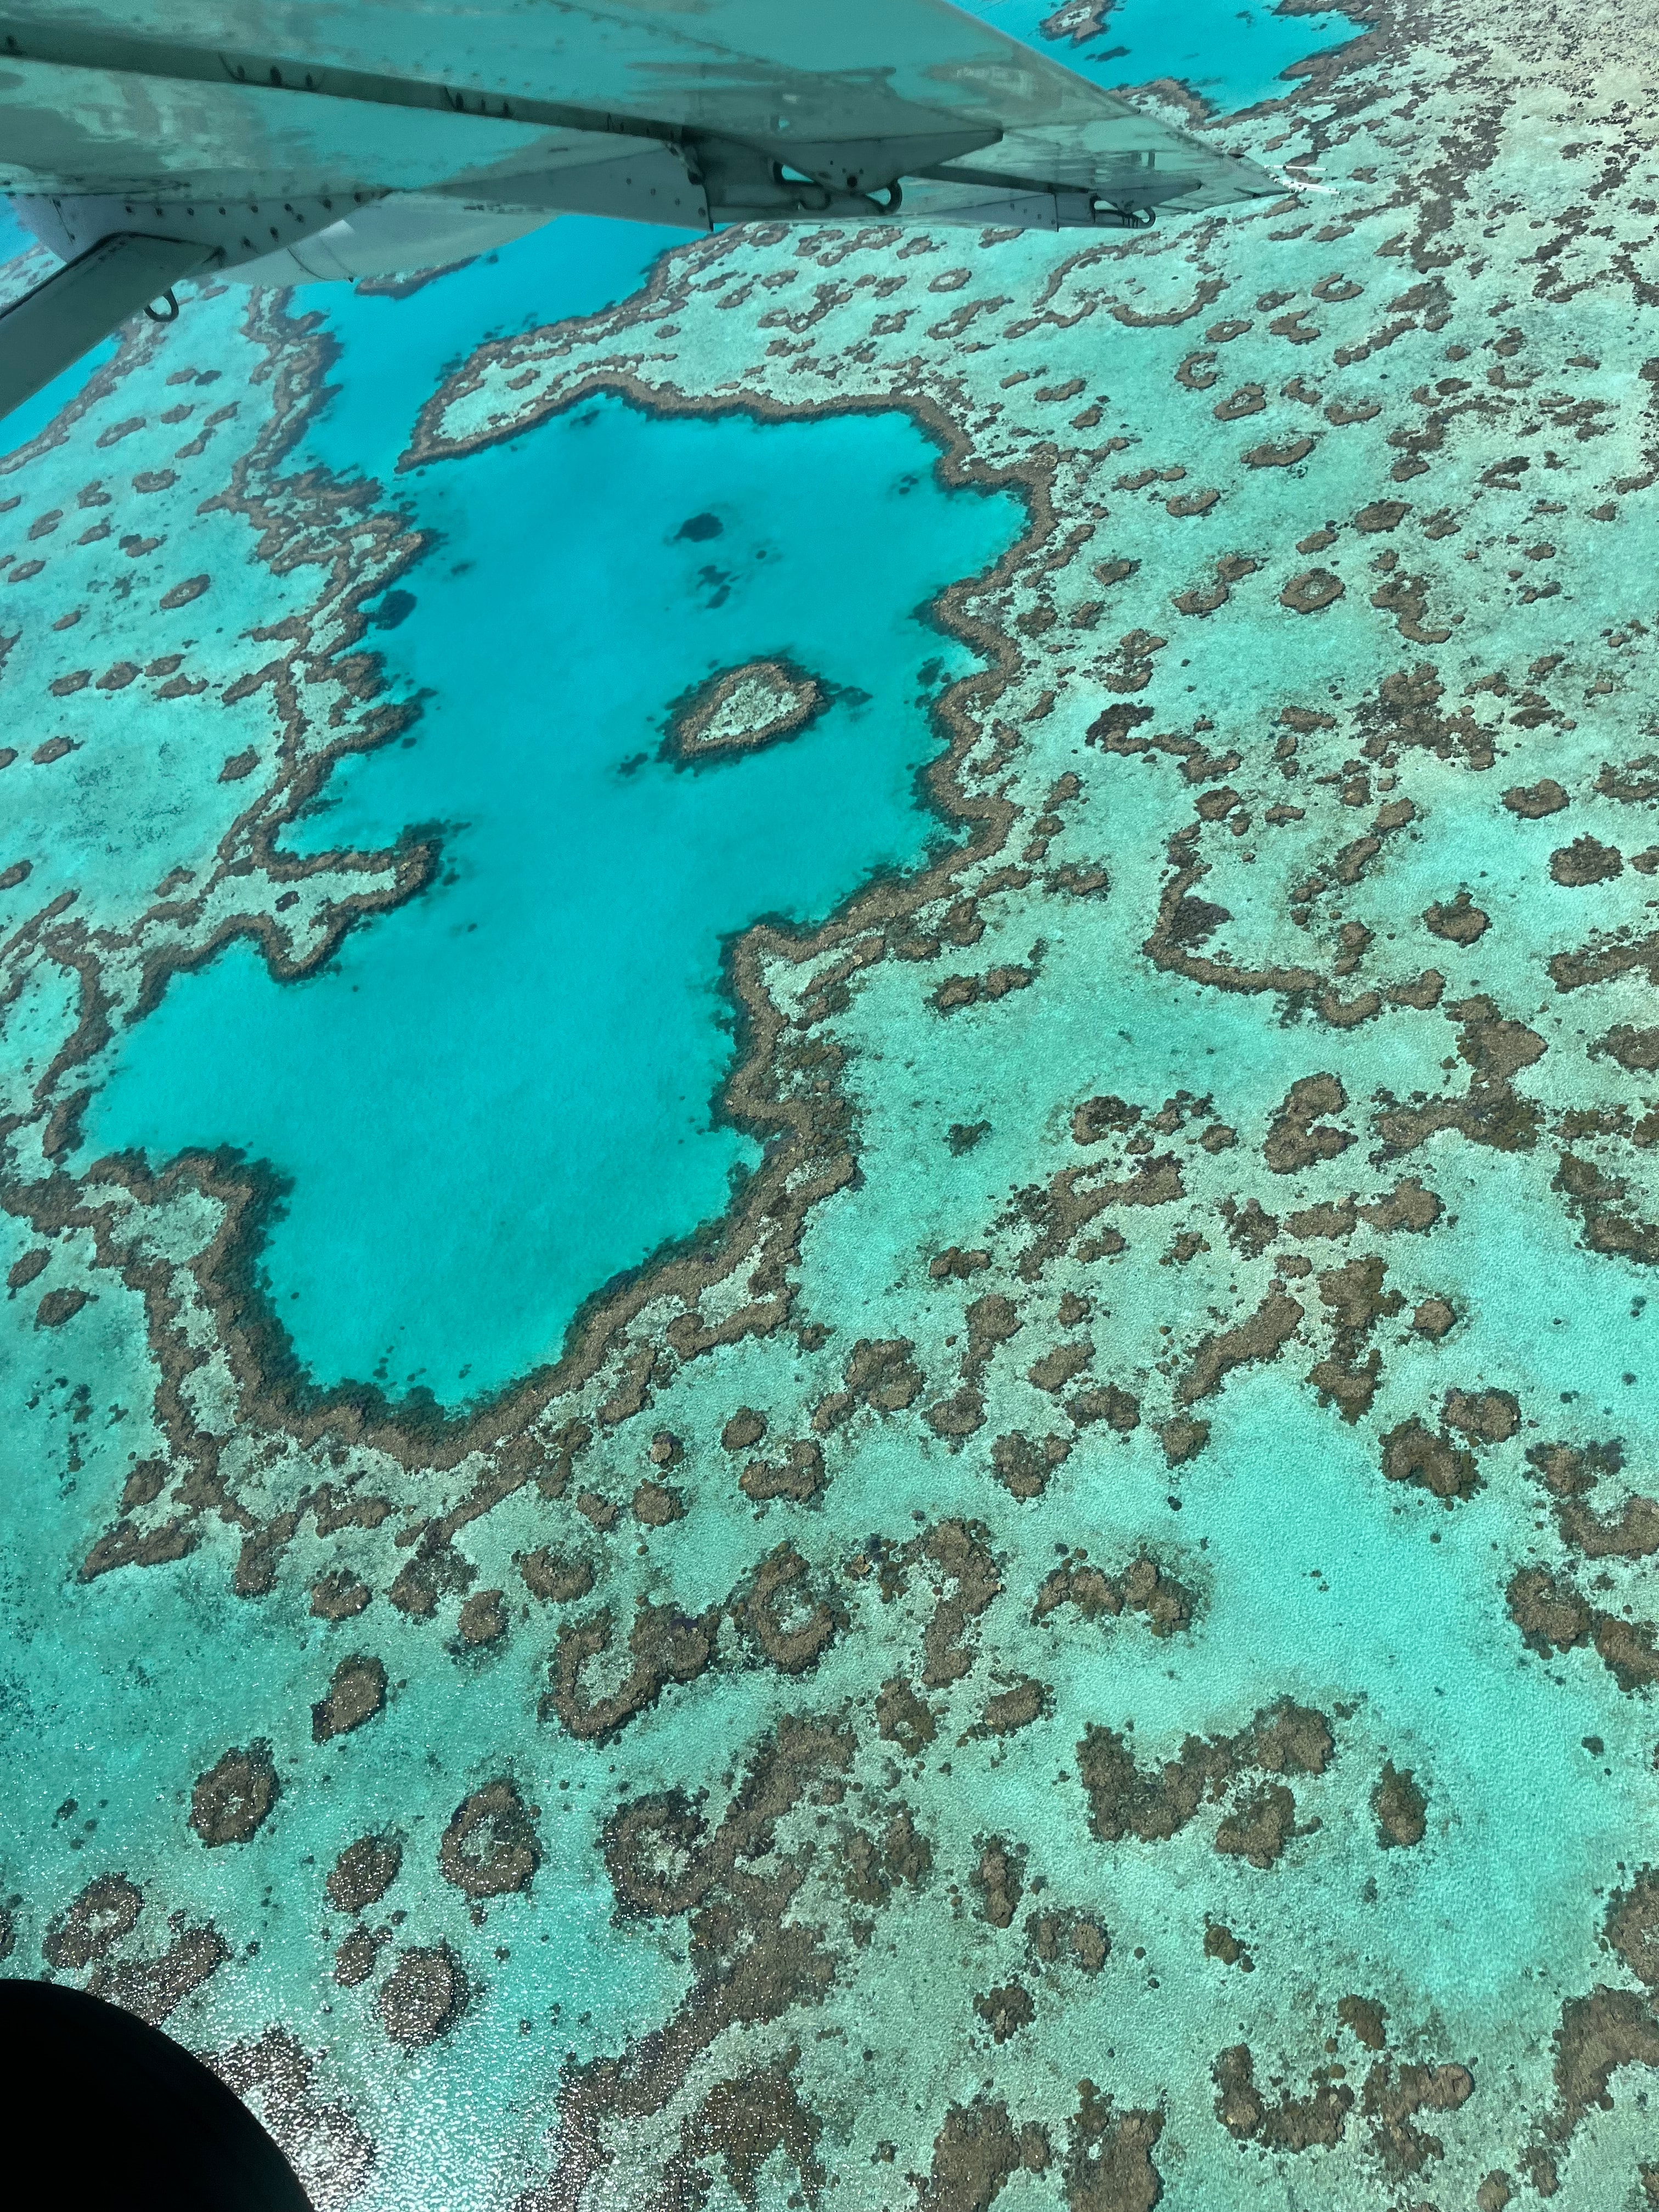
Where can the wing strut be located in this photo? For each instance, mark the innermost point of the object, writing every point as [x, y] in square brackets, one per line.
[83, 301]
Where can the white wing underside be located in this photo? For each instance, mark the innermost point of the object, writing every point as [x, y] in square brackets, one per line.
[150, 102]
[284, 140]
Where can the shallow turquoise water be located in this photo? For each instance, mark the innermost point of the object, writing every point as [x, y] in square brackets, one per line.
[549, 1020]
[1232, 56]
[553, 1000]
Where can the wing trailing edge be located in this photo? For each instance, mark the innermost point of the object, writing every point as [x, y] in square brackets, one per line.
[405, 134]
[51, 326]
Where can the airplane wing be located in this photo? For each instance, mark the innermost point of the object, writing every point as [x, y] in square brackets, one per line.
[285, 140]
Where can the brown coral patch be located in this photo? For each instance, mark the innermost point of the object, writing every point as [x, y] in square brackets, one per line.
[902, 1717]
[1193, 919]
[21, 1273]
[153, 1988]
[1356, 1300]
[1263, 1336]
[232, 1799]
[1597, 2034]
[1631, 1533]
[991, 1321]
[278, 2078]
[1631, 1926]
[744, 1430]
[355, 1960]
[658, 1852]
[798, 1476]
[1092, 1122]
[1006, 2010]
[1495, 1048]
[103, 1915]
[999, 1879]
[423, 1996]
[742, 709]
[1488, 1417]
[743, 2124]
[1184, 1438]
[1399, 1807]
[339, 1596]
[1408, 1207]
[750, 1962]
[1073, 1198]
[1413, 1454]
[1024, 1464]
[1289, 2124]
[1059, 1365]
[489, 1848]
[1532, 802]
[1155, 1803]
[1143, 1587]
[1105, 1402]
[1392, 2097]
[1297, 1138]
[1637, 1050]
[1259, 1827]
[1597, 1199]
[788, 1622]
[1107, 2166]
[364, 1872]
[1220, 1943]
[1458, 920]
[482, 1620]
[978, 2151]
[1290, 1739]
[357, 1693]
[880, 1373]
[1269, 456]
[1365, 2020]
[956, 1556]
[557, 1577]
[1009, 1710]
[1076, 1938]
[1307, 594]
[666, 1646]
[1586, 860]
[655, 1504]
[1551, 1614]
[1625, 1649]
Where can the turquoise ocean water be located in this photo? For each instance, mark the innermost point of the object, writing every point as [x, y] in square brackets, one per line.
[1231, 56]
[399, 1255]
[876, 1985]
[550, 1017]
